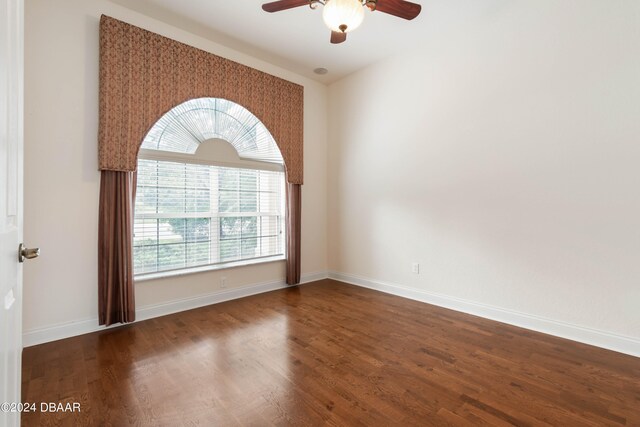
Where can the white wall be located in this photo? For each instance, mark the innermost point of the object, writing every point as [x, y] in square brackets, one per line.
[62, 180]
[503, 155]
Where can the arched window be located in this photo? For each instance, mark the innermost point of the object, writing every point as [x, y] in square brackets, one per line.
[210, 191]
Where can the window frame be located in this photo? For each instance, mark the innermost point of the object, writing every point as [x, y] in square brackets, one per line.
[169, 156]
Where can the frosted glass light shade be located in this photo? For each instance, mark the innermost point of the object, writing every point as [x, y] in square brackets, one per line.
[343, 15]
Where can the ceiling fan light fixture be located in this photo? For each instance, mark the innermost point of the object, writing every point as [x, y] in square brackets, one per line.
[343, 15]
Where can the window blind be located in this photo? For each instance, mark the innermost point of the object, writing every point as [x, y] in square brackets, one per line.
[192, 215]
[183, 128]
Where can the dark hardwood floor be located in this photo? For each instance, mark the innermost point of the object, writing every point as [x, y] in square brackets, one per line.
[328, 353]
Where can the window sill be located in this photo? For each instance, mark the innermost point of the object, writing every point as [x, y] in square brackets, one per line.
[205, 268]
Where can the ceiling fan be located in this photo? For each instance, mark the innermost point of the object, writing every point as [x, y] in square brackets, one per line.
[344, 16]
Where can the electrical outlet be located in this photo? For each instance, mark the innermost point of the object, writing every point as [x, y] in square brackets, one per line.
[415, 268]
[223, 282]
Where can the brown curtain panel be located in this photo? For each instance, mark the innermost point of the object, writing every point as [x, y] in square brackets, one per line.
[293, 220]
[116, 297]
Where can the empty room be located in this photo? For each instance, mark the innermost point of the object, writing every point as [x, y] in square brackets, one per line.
[320, 212]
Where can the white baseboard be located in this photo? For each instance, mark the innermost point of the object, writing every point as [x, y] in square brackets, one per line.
[581, 334]
[314, 277]
[71, 329]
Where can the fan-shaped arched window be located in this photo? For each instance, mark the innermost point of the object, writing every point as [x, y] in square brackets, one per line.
[210, 191]
[189, 124]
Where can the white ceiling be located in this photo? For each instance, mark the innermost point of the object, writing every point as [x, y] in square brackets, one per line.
[298, 40]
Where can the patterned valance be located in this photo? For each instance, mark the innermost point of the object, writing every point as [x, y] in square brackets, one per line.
[143, 75]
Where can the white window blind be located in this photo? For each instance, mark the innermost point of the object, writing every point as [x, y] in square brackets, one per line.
[192, 215]
[183, 128]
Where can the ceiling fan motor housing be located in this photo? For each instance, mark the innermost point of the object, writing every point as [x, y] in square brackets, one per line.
[371, 4]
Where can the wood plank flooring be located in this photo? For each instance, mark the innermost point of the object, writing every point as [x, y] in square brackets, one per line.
[328, 353]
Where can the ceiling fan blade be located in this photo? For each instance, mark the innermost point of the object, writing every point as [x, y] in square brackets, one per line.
[276, 6]
[338, 37]
[400, 8]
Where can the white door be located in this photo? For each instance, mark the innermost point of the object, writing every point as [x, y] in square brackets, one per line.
[11, 75]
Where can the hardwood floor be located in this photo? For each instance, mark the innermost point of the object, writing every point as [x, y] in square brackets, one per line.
[328, 353]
